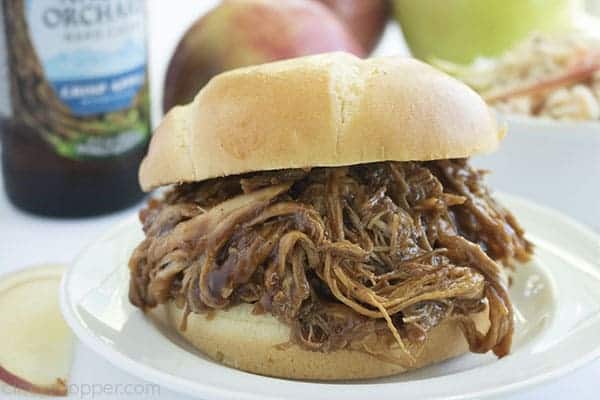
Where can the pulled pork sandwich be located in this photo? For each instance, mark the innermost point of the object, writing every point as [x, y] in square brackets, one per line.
[324, 221]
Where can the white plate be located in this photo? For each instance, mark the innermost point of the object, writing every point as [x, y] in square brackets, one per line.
[557, 297]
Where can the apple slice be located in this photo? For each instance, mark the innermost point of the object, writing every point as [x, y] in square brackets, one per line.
[36, 345]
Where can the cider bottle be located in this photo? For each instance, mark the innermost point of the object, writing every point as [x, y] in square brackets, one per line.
[74, 104]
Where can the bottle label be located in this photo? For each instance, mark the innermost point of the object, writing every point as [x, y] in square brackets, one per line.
[5, 105]
[79, 71]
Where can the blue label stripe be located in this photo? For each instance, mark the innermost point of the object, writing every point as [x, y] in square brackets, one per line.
[101, 95]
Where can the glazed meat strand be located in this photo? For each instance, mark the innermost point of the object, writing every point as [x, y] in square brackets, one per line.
[367, 257]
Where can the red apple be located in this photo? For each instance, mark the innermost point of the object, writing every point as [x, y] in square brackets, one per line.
[366, 19]
[238, 33]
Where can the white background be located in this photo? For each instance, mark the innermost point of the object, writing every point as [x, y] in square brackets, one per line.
[27, 240]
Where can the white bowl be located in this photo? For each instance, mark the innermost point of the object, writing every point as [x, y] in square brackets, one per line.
[556, 163]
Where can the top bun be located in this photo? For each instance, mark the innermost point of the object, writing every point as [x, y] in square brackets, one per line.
[326, 110]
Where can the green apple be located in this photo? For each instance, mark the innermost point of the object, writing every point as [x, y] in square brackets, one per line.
[460, 30]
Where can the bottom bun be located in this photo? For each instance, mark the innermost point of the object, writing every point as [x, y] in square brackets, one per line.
[249, 342]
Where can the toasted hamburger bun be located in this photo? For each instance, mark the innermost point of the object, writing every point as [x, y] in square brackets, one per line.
[325, 110]
[260, 344]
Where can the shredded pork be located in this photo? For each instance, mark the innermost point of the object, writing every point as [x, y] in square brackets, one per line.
[368, 257]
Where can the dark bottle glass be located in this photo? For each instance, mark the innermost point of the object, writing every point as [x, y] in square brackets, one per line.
[75, 117]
